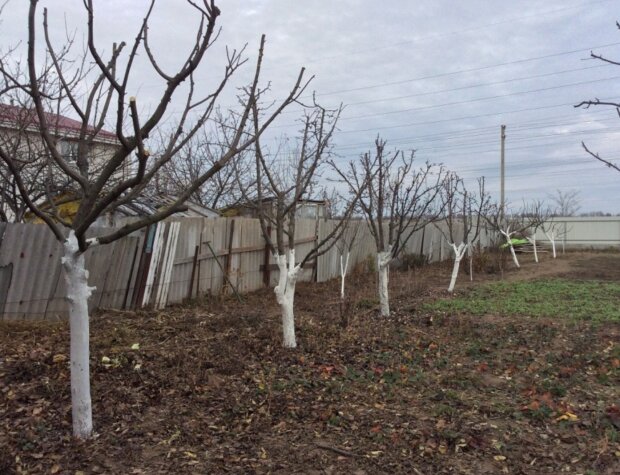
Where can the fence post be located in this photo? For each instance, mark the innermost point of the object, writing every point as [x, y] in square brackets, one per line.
[267, 269]
[229, 256]
[191, 279]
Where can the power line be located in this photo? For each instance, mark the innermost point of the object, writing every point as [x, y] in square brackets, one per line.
[477, 116]
[519, 139]
[478, 99]
[472, 86]
[429, 152]
[469, 70]
[447, 33]
[483, 131]
[452, 73]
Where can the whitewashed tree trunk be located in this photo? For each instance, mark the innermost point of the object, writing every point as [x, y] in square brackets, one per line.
[514, 255]
[78, 293]
[512, 249]
[551, 236]
[344, 264]
[285, 295]
[383, 267]
[532, 241]
[459, 252]
[430, 250]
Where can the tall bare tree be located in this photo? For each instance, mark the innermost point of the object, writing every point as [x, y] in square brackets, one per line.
[95, 90]
[463, 213]
[397, 199]
[283, 179]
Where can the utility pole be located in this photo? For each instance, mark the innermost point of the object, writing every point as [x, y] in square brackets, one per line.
[502, 201]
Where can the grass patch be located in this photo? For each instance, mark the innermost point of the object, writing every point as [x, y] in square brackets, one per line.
[596, 301]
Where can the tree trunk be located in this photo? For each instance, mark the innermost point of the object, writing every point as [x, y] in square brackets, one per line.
[514, 256]
[459, 252]
[285, 294]
[383, 267]
[344, 264]
[78, 293]
[430, 250]
[512, 249]
[551, 237]
[470, 254]
[532, 241]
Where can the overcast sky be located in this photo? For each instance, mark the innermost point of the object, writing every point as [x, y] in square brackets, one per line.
[437, 76]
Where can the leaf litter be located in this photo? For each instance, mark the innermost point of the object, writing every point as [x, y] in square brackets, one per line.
[208, 389]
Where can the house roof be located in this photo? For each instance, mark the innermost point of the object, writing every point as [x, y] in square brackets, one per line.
[11, 114]
[147, 205]
[140, 206]
[270, 199]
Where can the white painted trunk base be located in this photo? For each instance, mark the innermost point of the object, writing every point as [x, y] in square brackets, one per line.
[551, 236]
[508, 237]
[532, 241]
[514, 256]
[344, 264]
[78, 293]
[383, 268]
[285, 294]
[459, 252]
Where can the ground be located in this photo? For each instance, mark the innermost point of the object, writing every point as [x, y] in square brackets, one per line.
[436, 388]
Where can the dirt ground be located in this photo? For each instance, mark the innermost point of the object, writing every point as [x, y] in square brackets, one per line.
[210, 390]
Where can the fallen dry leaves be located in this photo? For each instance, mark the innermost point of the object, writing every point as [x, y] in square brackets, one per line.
[207, 389]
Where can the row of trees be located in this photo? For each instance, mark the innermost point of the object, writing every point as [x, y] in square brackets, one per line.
[386, 190]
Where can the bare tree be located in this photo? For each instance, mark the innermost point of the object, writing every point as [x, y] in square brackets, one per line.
[597, 102]
[397, 199]
[95, 90]
[566, 203]
[522, 223]
[198, 155]
[463, 213]
[283, 179]
[554, 230]
[536, 213]
[345, 245]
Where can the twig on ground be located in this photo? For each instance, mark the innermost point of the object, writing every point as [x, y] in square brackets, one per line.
[326, 446]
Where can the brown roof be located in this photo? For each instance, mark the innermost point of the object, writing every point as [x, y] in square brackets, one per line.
[16, 114]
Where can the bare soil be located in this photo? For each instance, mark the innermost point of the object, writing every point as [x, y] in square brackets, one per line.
[210, 390]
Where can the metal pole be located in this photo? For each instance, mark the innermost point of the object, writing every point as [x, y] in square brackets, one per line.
[502, 172]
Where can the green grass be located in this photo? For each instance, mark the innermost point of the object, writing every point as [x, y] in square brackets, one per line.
[596, 301]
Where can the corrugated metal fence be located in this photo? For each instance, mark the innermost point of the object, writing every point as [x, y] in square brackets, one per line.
[188, 257]
[32, 285]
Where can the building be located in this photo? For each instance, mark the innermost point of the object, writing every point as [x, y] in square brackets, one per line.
[20, 138]
[19, 130]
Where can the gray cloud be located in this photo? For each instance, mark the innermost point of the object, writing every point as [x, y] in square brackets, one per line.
[357, 47]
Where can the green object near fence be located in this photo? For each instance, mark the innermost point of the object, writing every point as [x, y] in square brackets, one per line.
[515, 243]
